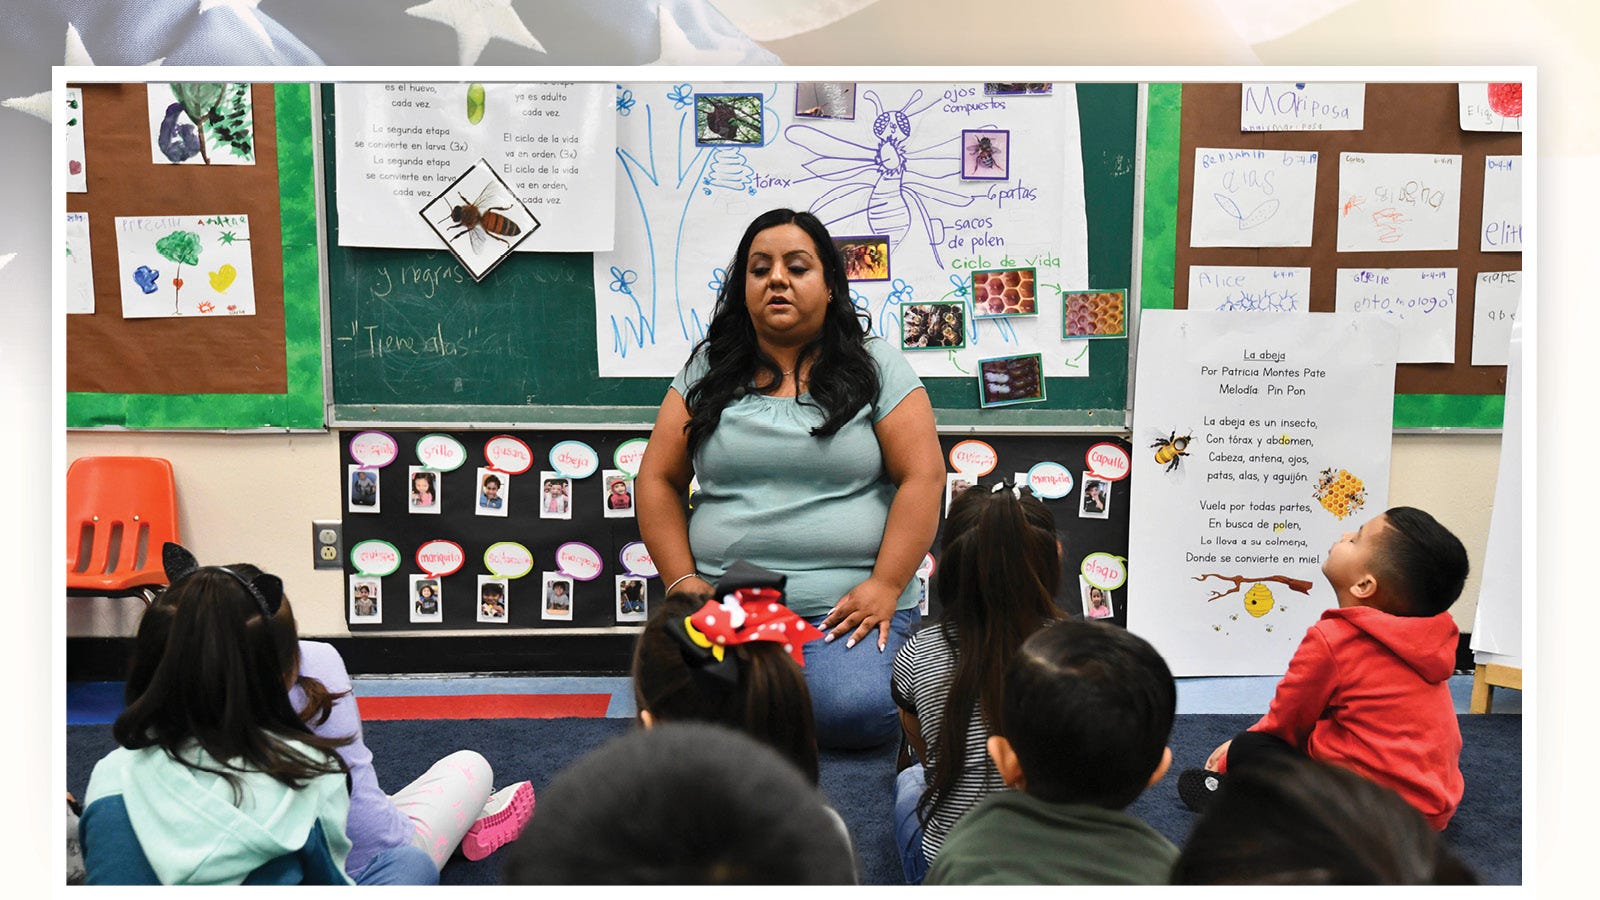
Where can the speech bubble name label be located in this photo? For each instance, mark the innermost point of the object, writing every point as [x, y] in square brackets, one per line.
[926, 569]
[973, 458]
[375, 558]
[440, 558]
[579, 560]
[508, 559]
[1105, 571]
[508, 454]
[636, 560]
[629, 455]
[441, 452]
[374, 448]
[574, 459]
[1108, 461]
[1050, 480]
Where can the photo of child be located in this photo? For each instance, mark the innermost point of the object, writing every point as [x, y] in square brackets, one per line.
[1096, 498]
[363, 490]
[427, 605]
[630, 599]
[366, 600]
[491, 600]
[494, 493]
[557, 597]
[619, 495]
[424, 490]
[555, 496]
[954, 483]
[1096, 601]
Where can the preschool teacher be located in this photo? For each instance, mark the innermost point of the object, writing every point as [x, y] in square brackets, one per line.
[816, 455]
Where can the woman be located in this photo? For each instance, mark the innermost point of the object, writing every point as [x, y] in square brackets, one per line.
[816, 456]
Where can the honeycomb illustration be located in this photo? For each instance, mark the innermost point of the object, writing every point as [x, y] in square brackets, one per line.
[1094, 313]
[1340, 492]
[1258, 600]
[1004, 292]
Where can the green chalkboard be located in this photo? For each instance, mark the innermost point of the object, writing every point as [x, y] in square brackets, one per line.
[413, 340]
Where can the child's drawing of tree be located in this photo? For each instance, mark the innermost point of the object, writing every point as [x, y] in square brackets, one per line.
[183, 248]
[220, 117]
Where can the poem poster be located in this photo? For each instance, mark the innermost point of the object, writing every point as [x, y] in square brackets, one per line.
[1258, 441]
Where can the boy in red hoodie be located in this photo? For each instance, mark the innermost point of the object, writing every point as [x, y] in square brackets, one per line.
[1368, 687]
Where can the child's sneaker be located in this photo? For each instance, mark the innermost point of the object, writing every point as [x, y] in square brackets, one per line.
[1197, 787]
[504, 816]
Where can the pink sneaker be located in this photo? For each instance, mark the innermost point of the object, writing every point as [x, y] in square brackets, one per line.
[504, 816]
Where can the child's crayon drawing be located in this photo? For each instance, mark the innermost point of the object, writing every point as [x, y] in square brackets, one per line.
[185, 265]
[202, 123]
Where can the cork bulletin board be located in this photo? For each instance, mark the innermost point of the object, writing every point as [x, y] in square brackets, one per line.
[245, 371]
[1399, 118]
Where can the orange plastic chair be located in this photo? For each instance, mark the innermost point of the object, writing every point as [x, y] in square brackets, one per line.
[120, 509]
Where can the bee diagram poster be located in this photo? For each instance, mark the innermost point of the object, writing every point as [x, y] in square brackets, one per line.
[936, 182]
[400, 145]
[1258, 441]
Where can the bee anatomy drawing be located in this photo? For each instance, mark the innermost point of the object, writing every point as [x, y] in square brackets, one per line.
[1170, 452]
[481, 219]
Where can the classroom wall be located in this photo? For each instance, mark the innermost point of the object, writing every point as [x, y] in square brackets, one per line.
[251, 497]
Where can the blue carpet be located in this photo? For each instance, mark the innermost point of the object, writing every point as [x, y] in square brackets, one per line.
[1486, 832]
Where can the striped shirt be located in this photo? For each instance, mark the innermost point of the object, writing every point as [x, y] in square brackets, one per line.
[923, 670]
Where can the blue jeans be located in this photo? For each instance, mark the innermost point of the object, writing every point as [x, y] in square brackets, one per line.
[405, 864]
[850, 688]
[909, 786]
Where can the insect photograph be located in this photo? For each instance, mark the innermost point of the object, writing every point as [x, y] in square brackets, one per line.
[1171, 450]
[986, 154]
[481, 209]
[727, 119]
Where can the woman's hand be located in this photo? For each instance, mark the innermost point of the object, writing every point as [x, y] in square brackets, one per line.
[1214, 761]
[868, 605]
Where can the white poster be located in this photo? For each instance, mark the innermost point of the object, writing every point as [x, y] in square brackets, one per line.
[1495, 303]
[1259, 440]
[1421, 302]
[1501, 228]
[1497, 626]
[1250, 288]
[399, 145]
[201, 124]
[77, 179]
[184, 266]
[80, 268]
[1399, 201]
[1303, 106]
[1493, 106]
[922, 184]
[1253, 198]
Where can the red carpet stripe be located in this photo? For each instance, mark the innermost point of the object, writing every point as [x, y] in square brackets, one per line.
[485, 706]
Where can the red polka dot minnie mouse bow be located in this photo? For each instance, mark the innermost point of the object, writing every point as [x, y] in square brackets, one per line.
[746, 615]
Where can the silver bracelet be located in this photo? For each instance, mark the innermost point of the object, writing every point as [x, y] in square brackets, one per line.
[680, 581]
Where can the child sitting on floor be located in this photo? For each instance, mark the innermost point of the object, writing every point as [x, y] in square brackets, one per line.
[1368, 688]
[1085, 715]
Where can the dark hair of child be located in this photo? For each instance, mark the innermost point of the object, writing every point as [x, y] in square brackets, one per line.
[208, 668]
[1294, 820]
[491, 479]
[1424, 563]
[493, 589]
[681, 803]
[1088, 708]
[771, 702]
[999, 565]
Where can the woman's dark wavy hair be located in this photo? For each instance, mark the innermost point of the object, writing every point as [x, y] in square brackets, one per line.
[999, 567]
[843, 377]
[771, 702]
[207, 669]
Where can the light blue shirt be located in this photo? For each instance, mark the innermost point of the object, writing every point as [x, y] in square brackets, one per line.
[813, 509]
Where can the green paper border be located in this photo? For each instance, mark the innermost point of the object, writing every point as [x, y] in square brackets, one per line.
[1163, 129]
[302, 406]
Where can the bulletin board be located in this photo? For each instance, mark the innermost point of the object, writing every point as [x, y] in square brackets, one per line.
[1399, 118]
[594, 601]
[413, 341]
[201, 372]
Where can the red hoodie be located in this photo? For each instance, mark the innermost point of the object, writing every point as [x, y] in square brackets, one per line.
[1369, 691]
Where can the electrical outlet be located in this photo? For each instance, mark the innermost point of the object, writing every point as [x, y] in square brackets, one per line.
[327, 544]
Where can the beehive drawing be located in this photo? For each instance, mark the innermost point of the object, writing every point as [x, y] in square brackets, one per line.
[1094, 313]
[1003, 292]
[1340, 493]
[1258, 600]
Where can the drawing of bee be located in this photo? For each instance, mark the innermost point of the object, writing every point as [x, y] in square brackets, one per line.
[1170, 452]
[480, 220]
[983, 152]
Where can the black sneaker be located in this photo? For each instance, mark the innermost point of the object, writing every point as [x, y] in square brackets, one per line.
[1197, 787]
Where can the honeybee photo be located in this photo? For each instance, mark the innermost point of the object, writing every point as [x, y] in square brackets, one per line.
[866, 257]
[933, 326]
[1094, 314]
[479, 219]
[985, 154]
[1005, 380]
[825, 100]
[728, 119]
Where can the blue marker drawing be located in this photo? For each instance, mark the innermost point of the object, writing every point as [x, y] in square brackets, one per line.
[625, 100]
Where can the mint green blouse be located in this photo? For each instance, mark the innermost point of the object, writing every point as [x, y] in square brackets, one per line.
[813, 509]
